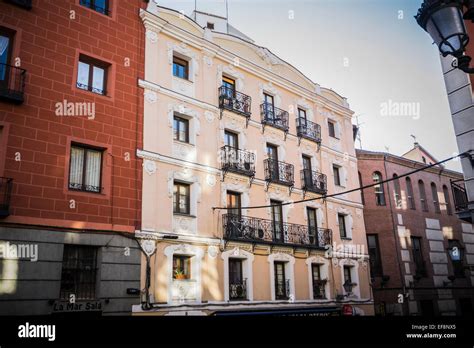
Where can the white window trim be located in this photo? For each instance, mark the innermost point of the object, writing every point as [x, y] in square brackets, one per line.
[337, 128]
[247, 270]
[187, 250]
[348, 220]
[354, 275]
[191, 115]
[242, 188]
[324, 273]
[231, 72]
[289, 272]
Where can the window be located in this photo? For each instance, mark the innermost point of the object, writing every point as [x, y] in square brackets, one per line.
[420, 268]
[210, 25]
[312, 225]
[397, 191]
[374, 255]
[410, 198]
[92, 75]
[421, 188]
[337, 175]
[6, 48]
[85, 169]
[307, 171]
[180, 68]
[361, 191]
[447, 201]
[269, 107]
[79, 272]
[434, 194]
[181, 129]
[229, 86]
[318, 283]
[332, 129]
[281, 283]
[231, 139]
[234, 203]
[237, 284]
[341, 219]
[379, 190]
[277, 219]
[181, 198]
[181, 267]
[347, 275]
[302, 114]
[456, 254]
[101, 6]
[272, 152]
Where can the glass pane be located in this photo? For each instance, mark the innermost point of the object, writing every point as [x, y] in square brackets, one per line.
[4, 48]
[76, 167]
[94, 163]
[100, 5]
[98, 80]
[83, 75]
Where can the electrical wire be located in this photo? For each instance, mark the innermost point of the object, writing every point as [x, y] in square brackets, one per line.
[348, 191]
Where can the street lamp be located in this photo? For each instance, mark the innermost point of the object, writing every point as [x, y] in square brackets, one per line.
[444, 21]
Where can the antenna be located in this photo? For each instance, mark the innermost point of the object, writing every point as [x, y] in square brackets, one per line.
[414, 138]
[195, 9]
[227, 15]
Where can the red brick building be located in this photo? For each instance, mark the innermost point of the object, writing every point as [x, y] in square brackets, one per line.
[422, 256]
[70, 124]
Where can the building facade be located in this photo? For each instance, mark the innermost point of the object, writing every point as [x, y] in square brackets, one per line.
[421, 253]
[70, 123]
[228, 124]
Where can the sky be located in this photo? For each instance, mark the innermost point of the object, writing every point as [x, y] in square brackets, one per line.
[370, 51]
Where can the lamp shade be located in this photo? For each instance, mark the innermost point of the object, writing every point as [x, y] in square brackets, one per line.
[443, 20]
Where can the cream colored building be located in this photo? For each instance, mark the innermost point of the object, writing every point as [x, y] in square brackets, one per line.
[221, 130]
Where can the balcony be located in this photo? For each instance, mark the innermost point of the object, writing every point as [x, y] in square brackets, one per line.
[308, 130]
[6, 185]
[461, 202]
[238, 291]
[26, 4]
[237, 161]
[12, 83]
[230, 99]
[313, 181]
[274, 117]
[264, 231]
[279, 172]
[319, 289]
[282, 289]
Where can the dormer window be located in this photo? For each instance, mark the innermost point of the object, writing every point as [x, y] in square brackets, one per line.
[210, 25]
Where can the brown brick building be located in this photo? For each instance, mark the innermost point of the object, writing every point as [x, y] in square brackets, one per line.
[70, 124]
[422, 255]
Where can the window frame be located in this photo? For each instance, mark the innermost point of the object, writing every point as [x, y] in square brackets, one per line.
[10, 34]
[342, 232]
[183, 260]
[183, 63]
[337, 178]
[230, 134]
[332, 129]
[176, 132]
[434, 195]
[237, 198]
[93, 7]
[379, 189]
[377, 269]
[418, 259]
[449, 209]
[410, 195]
[86, 149]
[177, 195]
[423, 199]
[93, 62]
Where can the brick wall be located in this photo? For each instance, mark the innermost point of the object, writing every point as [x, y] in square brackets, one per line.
[48, 41]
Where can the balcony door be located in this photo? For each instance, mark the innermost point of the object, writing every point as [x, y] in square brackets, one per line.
[280, 281]
[312, 226]
[318, 284]
[272, 153]
[231, 140]
[277, 221]
[229, 87]
[6, 48]
[237, 290]
[308, 173]
[234, 214]
[269, 107]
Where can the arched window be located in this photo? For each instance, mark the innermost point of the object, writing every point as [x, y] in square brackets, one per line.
[379, 191]
[410, 198]
[434, 194]
[446, 200]
[421, 188]
[361, 191]
[397, 192]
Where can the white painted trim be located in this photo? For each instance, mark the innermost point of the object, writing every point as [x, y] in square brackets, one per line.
[324, 273]
[354, 275]
[247, 270]
[289, 272]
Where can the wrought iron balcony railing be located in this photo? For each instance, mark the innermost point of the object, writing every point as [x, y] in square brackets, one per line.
[313, 181]
[12, 83]
[274, 117]
[237, 161]
[238, 290]
[234, 101]
[308, 130]
[319, 289]
[461, 201]
[282, 289]
[6, 185]
[279, 172]
[250, 229]
[83, 187]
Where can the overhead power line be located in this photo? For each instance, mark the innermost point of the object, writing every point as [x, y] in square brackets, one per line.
[348, 191]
